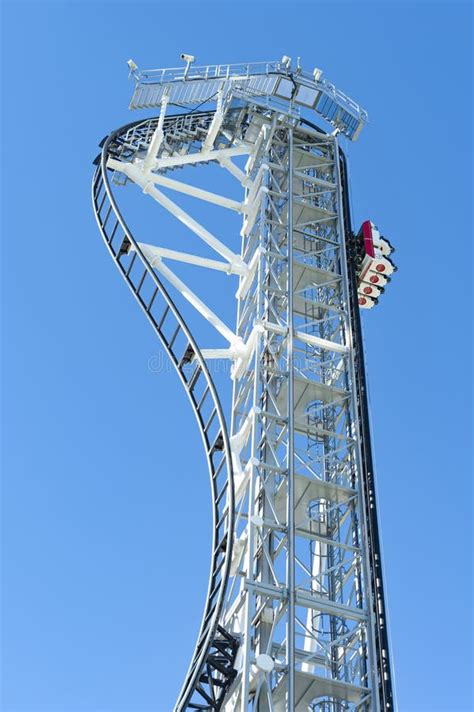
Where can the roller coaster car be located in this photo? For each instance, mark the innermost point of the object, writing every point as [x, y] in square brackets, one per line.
[373, 266]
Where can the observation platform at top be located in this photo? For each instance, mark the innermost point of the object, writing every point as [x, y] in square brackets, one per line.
[275, 85]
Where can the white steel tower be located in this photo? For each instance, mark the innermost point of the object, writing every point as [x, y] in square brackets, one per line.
[295, 617]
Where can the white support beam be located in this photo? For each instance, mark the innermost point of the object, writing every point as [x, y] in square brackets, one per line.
[216, 353]
[238, 440]
[201, 157]
[247, 280]
[238, 550]
[241, 476]
[251, 160]
[253, 189]
[197, 192]
[252, 211]
[191, 259]
[305, 338]
[265, 134]
[242, 360]
[234, 170]
[133, 172]
[157, 138]
[236, 343]
[216, 122]
[322, 343]
[184, 217]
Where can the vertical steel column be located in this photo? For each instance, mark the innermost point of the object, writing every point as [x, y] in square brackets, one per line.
[306, 443]
[290, 517]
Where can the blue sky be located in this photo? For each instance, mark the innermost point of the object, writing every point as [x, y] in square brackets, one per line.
[105, 494]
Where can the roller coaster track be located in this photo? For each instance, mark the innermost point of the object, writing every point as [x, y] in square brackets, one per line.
[211, 671]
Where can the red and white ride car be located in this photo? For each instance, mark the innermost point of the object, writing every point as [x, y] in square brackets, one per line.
[374, 266]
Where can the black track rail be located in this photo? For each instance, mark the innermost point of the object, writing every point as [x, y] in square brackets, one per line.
[211, 671]
[384, 672]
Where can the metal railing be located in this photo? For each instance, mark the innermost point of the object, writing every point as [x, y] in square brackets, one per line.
[210, 71]
[161, 77]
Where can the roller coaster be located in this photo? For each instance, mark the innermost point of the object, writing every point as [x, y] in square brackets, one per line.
[294, 616]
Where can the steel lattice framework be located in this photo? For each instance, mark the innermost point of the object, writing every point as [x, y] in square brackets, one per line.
[295, 616]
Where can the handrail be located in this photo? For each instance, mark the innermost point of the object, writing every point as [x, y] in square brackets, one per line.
[211, 669]
[210, 71]
[159, 77]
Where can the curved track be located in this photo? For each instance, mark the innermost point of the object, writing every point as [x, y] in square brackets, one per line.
[212, 666]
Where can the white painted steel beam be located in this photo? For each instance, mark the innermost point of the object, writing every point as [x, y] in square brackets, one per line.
[192, 298]
[216, 123]
[133, 172]
[220, 155]
[226, 162]
[192, 259]
[197, 192]
[158, 135]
